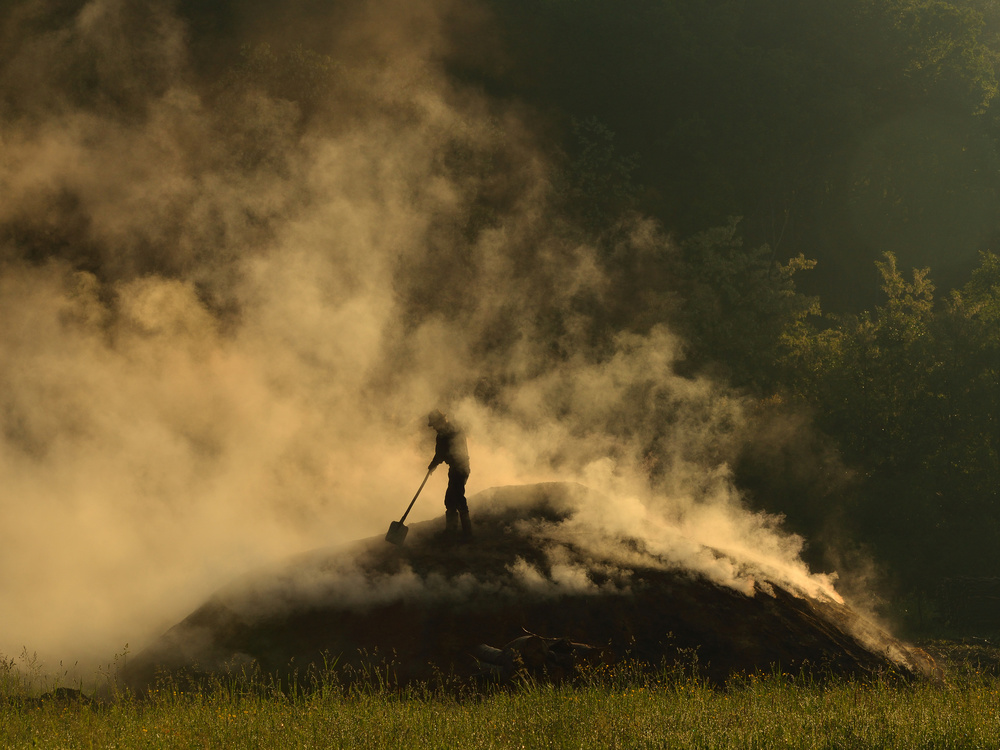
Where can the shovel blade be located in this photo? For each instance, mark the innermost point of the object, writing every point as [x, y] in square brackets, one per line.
[396, 533]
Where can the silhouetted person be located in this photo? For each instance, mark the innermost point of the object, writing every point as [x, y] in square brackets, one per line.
[452, 449]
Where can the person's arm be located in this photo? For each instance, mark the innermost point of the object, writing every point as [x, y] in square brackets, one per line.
[440, 448]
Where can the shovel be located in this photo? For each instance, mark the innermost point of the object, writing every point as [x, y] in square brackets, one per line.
[397, 531]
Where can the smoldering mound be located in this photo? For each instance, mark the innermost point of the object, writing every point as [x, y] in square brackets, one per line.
[425, 606]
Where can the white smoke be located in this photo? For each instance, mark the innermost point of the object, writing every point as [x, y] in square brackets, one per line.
[222, 322]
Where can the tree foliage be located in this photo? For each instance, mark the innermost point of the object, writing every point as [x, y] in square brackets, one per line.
[910, 393]
[737, 303]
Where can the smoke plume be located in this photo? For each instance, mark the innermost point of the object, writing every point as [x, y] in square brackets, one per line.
[228, 303]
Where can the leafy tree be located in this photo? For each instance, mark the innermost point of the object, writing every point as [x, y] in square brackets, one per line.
[942, 52]
[910, 395]
[967, 452]
[737, 303]
[869, 373]
[596, 187]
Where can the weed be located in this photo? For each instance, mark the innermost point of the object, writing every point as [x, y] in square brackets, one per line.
[627, 706]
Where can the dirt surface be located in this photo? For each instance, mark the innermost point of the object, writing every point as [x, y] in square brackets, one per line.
[426, 606]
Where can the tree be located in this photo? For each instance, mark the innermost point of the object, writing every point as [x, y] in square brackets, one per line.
[968, 450]
[737, 304]
[911, 395]
[868, 374]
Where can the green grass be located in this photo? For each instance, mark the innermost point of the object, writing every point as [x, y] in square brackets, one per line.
[620, 710]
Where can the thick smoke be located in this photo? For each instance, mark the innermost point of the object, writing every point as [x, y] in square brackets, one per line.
[226, 307]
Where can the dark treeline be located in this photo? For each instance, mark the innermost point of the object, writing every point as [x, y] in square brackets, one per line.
[840, 131]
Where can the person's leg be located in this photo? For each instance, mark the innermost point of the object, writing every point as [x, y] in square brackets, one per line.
[455, 498]
[454, 501]
[451, 522]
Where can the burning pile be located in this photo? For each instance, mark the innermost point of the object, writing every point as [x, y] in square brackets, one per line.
[425, 606]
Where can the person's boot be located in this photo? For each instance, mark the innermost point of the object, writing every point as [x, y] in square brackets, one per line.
[451, 525]
[466, 525]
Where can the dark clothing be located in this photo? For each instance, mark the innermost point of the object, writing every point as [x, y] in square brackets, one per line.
[451, 448]
[454, 496]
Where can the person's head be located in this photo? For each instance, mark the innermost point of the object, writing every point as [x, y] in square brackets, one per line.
[437, 420]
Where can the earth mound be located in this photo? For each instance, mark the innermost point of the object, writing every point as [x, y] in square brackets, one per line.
[429, 606]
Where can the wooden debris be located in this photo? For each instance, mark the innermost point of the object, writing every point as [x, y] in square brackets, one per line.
[553, 659]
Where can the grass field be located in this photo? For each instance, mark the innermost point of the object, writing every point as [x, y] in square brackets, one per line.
[605, 710]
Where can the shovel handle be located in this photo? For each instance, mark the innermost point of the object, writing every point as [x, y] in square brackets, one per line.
[429, 471]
